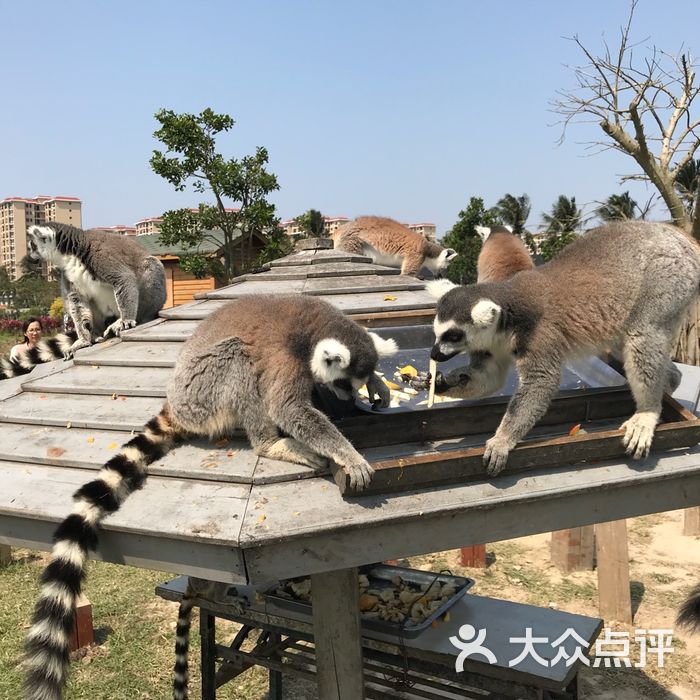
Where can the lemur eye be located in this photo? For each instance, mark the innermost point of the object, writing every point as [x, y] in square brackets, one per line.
[453, 336]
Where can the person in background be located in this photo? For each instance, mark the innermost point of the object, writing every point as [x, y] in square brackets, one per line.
[32, 330]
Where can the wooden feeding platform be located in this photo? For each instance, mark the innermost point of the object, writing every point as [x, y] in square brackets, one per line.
[218, 511]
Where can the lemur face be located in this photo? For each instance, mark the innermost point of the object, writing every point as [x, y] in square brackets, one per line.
[470, 329]
[345, 367]
[445, 258]
[41, 242]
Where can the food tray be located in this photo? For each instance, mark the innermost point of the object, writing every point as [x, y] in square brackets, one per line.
[380, 576]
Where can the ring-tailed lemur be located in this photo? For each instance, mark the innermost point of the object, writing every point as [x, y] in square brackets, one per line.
[390, 243]
[109, 283]
[627, 284]
[502, 255]
[252, 364]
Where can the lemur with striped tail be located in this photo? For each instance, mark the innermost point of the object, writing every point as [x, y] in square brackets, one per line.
[251, 365]
[109, 283]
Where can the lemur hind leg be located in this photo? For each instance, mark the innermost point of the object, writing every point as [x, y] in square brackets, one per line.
[412, 264]
[648, 367]
[126, 294]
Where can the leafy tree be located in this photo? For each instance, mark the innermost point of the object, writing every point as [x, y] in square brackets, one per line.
[562, 224]
[33, 291]
[191, 158]
[466, 241]
[687, 186]
[311, 223]
[277, 245]
[514, 211]
[618, 207]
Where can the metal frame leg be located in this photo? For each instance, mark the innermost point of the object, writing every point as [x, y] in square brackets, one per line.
[275, 676]
[207, 633]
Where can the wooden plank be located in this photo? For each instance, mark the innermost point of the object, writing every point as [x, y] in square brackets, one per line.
[473, 556]
[82, 448]
[169, 331]
[138, 354]
[336, 621]
[97, 412]
[316, 257]
[109, 381]
[362, 303]
[362, 285]
[572, 549]
[5, 555]
[157, 551]
[197, 310]
[186, 510]
[384, 319]
[334, 270]
[332, 533]
[82, 634]
[691, 522]
[614, 595]
[255, 284]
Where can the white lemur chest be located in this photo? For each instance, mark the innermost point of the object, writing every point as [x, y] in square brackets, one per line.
[100, 294]
[381, 258]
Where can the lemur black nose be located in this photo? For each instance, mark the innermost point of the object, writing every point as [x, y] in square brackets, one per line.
[439, 356]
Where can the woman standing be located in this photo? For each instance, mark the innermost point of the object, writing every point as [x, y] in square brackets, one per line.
[32, 330]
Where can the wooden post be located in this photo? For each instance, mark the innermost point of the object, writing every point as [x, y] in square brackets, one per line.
[474, 556]
[5, 555]
[83, 633]
[572, 550]
[336, 619]
[691, 521]
[614, 596]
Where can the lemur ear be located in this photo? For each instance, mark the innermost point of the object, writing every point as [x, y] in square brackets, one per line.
[329, 355]
[485, 313]
[451, 254]
[385, 347]
[438, 288]
[483, 231]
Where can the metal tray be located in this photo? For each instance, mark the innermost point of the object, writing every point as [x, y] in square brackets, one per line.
[380, 576]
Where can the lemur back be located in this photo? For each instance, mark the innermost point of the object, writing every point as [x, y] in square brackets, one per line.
[502, 255]
[390, 243]
[108, 282]
[252, 364]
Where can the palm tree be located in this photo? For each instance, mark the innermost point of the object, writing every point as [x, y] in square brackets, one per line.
[619, 207]
[686, 183]
[514, 211]
[565, 217]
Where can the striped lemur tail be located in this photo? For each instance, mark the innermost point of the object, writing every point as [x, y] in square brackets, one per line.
[45, 351]
[181, 672]
[689, 614]
[47, 644]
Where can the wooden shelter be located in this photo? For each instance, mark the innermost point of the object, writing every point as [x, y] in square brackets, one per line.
[219, 512]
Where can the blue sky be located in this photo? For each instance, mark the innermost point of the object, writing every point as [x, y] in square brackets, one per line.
[403, 109]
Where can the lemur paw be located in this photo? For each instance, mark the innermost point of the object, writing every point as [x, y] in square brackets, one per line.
[77, 345]
[421, 382]
[360, 475]
[496, 455]
[639, 433]
[116, 328]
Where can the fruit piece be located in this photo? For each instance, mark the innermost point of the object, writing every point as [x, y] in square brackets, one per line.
[410, 370]
[368, 602]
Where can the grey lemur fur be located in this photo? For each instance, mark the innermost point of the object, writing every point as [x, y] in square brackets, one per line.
[390, 243]
[109, 283]
[626, 285]
[252, 364]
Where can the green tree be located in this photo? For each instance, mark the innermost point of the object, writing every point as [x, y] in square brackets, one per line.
[191, 158]
[32, 291]
[277, 245]
[466, 241]
[562, 223]
[514, 211]
[311, 223]
[686, 185]
[618, 207]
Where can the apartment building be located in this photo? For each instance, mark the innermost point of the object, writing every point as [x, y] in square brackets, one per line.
[119, 229]
[18, 213]
[147, 226]
[330, 225]
[427, 230]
